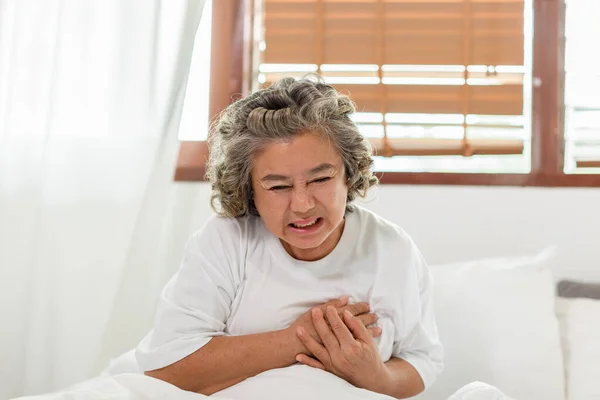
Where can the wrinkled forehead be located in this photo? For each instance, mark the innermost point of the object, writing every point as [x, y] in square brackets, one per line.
[303, 155]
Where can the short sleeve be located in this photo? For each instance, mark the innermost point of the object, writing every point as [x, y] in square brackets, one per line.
[195, 304]
[420, 345]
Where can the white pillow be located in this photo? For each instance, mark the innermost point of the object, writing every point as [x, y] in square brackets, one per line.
[497, 324]
[580, 331]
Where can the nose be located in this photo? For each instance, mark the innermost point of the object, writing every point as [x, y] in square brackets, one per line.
[302, 200]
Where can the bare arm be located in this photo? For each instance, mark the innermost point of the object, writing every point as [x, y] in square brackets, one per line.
[348, 351]
[401, 380]
[227, 360]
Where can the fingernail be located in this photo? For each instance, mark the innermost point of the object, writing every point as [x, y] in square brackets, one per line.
[344, 298]
[315, 312]
[348, 313]
[300, 331]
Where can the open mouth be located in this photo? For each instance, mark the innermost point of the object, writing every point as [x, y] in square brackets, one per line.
[307, 227]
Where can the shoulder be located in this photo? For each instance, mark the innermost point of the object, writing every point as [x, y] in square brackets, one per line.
[379, 228]
[231, 228]
[220, 247]
[389, 240]
[226, 233]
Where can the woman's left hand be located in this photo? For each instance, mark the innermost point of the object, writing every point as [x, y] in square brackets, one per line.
[348, 350]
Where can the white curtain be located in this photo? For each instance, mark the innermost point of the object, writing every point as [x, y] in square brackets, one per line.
[91, 225]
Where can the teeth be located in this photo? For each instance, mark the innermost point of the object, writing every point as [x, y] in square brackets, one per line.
[305, 226]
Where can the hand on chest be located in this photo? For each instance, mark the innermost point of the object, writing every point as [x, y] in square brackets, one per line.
[271, 299]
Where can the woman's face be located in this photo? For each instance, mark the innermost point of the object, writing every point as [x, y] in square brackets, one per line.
[300, 193]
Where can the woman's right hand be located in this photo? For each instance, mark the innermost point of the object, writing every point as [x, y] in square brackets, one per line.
[359, 310]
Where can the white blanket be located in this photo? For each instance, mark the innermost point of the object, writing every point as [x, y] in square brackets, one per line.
[296, 382]
[121, 387]
[274, 384]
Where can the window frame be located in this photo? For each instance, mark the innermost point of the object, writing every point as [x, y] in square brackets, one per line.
[231, 65]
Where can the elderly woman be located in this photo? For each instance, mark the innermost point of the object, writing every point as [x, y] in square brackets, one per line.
[292, 286]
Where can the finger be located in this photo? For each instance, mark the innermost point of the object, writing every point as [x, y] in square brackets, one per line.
[375, 331]
[358, 308]
[311, 362]
[325, 333]
[337, 303]
[312, 345]
[367, 319]
[359, 330]
[339, 328]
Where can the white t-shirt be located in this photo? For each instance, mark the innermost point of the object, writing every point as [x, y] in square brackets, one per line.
[237, 279]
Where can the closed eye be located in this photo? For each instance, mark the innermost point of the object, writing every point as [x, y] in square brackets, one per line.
[279, 188]
[320, 180]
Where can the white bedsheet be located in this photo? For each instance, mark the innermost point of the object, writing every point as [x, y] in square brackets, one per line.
[274, 384]
[296, 382]
[120, 387]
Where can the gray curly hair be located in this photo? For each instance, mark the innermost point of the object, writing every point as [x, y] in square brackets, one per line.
[285, 109]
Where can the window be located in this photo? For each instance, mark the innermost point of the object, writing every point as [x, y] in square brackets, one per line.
[439, 85]
[448, 92]
[582, 88]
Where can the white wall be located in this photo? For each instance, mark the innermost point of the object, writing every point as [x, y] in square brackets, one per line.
[461, 223]
[453, 223]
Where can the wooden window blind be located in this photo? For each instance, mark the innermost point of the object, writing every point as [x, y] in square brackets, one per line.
[429, 77]
[239, 47]
[582, 87]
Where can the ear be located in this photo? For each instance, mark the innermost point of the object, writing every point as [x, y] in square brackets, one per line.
[251, 204]
[347, 172]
